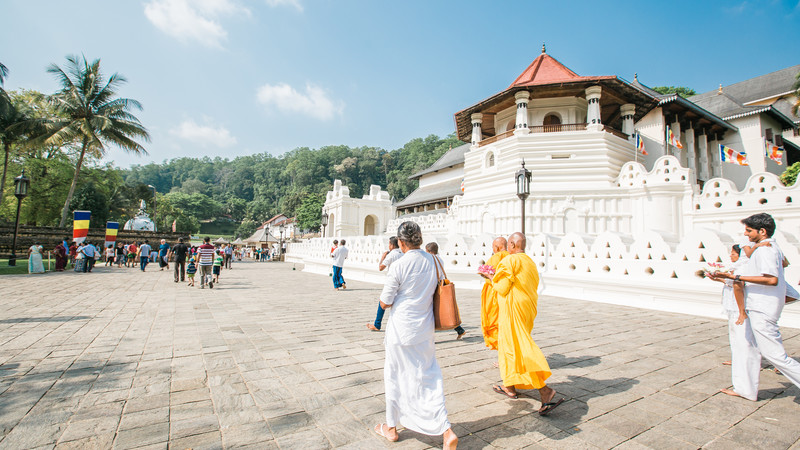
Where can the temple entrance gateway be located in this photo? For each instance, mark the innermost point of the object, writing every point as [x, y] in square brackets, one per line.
[370, 225]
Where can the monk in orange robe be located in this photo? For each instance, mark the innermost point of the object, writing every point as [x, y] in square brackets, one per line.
[489, 297]
[522, 363]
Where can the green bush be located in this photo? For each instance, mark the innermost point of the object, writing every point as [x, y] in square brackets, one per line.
[789, 177]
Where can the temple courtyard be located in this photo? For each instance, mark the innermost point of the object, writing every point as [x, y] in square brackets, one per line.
[275, 358]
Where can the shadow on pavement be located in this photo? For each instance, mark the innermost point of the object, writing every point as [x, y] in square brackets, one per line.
[44, 319]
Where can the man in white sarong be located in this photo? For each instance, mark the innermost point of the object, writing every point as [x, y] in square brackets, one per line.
[414, 387]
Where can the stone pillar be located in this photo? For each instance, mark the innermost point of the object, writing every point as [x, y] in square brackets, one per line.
[476, 128]
[716, 164]
[593, 111]
[522, 98]
[702, 146]
[627, 112]
[691, 153]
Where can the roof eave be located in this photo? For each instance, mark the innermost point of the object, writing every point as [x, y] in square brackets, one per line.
[721, 121]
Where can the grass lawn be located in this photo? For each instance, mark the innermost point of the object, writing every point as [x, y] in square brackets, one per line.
[22, 266]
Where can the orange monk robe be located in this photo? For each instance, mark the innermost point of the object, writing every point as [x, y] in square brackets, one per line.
[522, 363]
[489, 305]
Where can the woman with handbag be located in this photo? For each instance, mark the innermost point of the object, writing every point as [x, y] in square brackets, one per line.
[414, 387]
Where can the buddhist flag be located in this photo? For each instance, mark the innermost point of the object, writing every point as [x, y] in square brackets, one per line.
[640, 144]
[462, 185]
[174, 225]
[672, 139]
[729, 155]
[111, 233]
[774, 152]
[80, 225]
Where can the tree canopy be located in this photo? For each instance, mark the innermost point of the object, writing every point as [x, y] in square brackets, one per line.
[680, 90]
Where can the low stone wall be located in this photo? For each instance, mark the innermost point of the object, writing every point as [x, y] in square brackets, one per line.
[49, 237]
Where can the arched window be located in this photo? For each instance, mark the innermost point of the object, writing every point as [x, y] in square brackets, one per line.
[490, 160]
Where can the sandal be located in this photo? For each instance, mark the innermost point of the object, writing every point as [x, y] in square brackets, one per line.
[548, 407]
[500, 390]
[379, 431]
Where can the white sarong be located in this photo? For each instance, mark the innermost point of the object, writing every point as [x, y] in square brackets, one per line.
[414, 388]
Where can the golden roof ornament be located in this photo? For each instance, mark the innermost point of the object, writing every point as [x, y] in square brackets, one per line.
[719, 91]
[544, 50]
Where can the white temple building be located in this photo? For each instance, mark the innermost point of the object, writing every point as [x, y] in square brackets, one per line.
[604, 221]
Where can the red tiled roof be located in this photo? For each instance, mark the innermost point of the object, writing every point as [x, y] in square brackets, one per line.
[545, 70]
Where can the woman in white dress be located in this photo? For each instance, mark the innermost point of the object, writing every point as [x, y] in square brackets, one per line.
[414, 388]
[35, 264]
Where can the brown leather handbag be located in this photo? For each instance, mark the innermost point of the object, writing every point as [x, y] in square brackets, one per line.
[445, 308]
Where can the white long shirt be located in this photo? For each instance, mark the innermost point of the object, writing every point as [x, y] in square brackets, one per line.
[760, 297]
[409, 288]
[339, 255]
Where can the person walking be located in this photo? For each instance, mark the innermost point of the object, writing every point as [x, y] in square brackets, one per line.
[144, 255]
[133, 250]
[765, 297]
[228, 255]
[178, 256]
[205, 255]
[216, 268]
[522, 363]
[61, 253]
[433, 249]
[413, 383]
[163, 251]
[388, 257]
[339, 255]
[489, 296]
[191, 269]
[90, 254]
[110, 255]
[120, 254]
[35, 264]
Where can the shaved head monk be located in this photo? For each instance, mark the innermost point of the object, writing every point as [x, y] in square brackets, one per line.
[489, 297]
[522, 363]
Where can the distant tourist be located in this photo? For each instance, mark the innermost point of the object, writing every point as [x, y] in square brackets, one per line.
[110, 255]
[205, 255]
[133, 252]
[393, 254]
[144, 255]
[191, 269]
[339, 255]
[91, 253]
[522, 363]
[61, 253]
[219, 260]
[120, 254]
[765, 296]
[178, 255]
[35, 264]
[73, 252]
[228, 253]
[163, 251]
[433, 249]
[413, 381]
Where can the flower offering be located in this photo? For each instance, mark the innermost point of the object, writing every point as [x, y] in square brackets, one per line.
[486, 270]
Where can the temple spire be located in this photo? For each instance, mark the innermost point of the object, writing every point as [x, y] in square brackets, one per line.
[544, 49]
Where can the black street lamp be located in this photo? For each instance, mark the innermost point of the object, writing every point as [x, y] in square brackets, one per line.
[523, 180]
[21, 184]
[282, 228]
[324, 222]
[266, 242]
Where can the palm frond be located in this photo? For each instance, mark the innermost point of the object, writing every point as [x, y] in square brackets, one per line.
[3, 73]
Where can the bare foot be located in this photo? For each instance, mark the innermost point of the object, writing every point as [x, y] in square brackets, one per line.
[450, 440]
[726, 363]
[730, 392]
[372, 327]
[495, 364]
[389, 433]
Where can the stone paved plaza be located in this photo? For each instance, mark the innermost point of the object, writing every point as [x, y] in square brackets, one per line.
[275, 358]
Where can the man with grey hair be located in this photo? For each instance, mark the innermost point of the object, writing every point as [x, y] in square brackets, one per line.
[414, 387]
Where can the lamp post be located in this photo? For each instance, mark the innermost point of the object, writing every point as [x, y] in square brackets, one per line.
[154, 204]
[21, 184]
[523, 180]
[282, 228]
[324, 222]
[266, 242]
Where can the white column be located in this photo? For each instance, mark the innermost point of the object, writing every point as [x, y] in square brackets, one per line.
[593, 111]
[477, 135]
[522, 98]
[691, 153]
[716, 165]
[702, 146]
[627, 111]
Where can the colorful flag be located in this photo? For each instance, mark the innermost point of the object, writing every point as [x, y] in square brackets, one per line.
[672, 139]
[774, 152]
[111, 233]
[462, 185]
[729, 155]
[80, 225]
[174, 225]
[640, 144]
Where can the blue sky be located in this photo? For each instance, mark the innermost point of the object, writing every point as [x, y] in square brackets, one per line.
[236, 77]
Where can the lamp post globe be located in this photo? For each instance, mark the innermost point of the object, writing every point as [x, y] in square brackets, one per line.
[155, 222]
[282, 228]
[21, 185]
[324, 222]
[522, 178]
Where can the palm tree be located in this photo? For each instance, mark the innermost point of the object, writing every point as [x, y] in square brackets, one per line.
[91, 115]
[15, 125]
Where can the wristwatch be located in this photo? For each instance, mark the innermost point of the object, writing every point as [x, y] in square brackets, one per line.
[737, 278]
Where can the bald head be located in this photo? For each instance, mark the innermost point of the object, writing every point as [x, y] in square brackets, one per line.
[499, 244]
[516, 243]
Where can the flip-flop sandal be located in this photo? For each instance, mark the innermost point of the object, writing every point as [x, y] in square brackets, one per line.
[548, 407]
[502, 391]
[378, 429]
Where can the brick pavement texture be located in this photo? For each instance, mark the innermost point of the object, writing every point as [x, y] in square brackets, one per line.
[275, 358]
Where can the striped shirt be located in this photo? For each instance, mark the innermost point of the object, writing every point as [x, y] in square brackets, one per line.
[206, 252]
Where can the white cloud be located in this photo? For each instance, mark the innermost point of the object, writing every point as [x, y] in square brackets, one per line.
[295, 3]
[193, 20]
[204, 135]
[314, 102]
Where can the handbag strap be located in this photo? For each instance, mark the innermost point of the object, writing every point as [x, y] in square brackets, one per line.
[437, 263]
